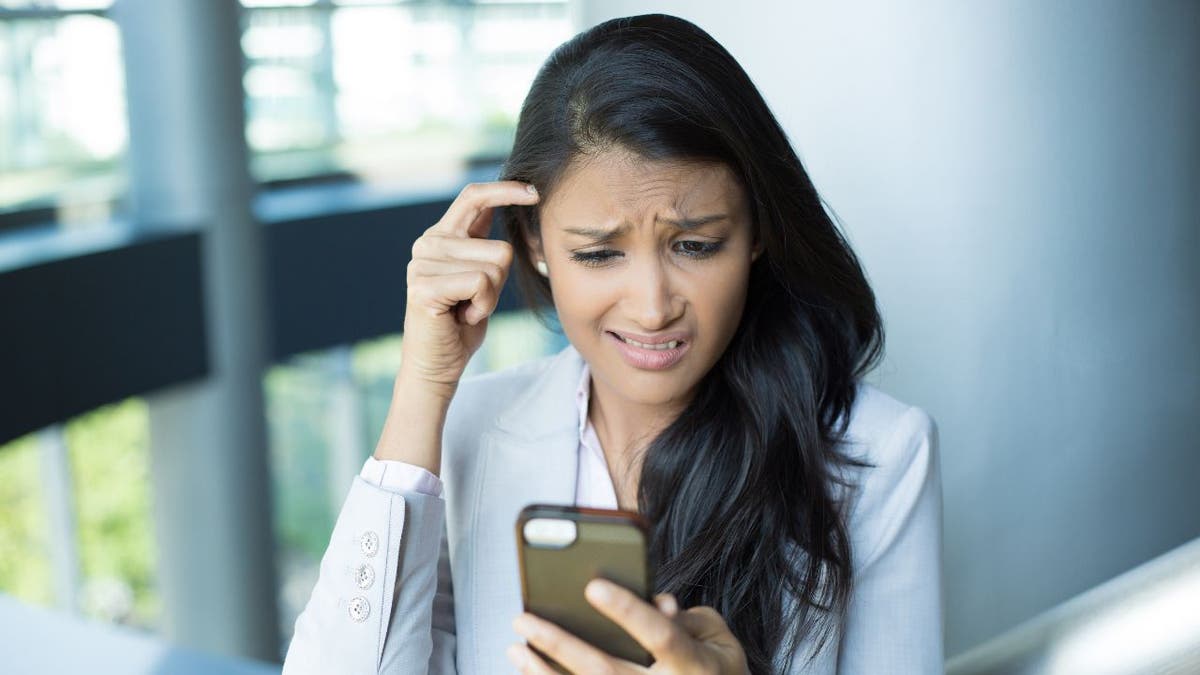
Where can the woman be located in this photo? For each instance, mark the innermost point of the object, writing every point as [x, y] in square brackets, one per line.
[719, 327]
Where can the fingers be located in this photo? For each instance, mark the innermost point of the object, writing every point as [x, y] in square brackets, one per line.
[454, 261]
[455, 278]
[451, 289]
[420, 268]
[437, 246]
[703, 623]
[708, 627]
[667, 604]
[443, 268]
[527, 661]
[469, 214]
[644, 622]
[570, 651]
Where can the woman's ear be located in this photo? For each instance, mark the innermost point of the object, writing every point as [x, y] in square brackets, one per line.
[537, 255]
[534, 246]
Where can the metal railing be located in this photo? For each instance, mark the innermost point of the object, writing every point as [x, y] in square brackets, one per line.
[1146, 620]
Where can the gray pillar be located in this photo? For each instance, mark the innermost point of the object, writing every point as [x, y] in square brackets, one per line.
[59, 499]
[188, 166]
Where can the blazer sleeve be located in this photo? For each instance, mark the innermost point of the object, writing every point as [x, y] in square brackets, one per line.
[383, 601]
[894, 620]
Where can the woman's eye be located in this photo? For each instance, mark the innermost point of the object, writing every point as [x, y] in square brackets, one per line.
[700, 249]
[593, 258]
[690, 248]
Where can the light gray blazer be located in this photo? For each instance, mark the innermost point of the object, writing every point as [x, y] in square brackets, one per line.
[413, 583]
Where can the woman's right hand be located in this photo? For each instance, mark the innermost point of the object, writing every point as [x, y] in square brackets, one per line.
[454, 282]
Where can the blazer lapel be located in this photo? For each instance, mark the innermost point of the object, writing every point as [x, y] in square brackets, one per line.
[530, 455]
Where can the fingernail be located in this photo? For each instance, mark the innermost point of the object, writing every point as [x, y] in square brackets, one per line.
[670, 607]
[597, 589]
[531, 188]
[522, 624]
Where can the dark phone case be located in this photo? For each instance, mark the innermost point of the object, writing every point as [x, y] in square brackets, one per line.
[610, 544]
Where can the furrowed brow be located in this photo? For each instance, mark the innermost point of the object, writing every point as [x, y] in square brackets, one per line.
[596, 233]
[601, 234]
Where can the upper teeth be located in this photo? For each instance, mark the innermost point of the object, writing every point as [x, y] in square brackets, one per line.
[666, 345]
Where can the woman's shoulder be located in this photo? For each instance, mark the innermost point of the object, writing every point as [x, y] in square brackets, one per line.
[899, 443]
[883, 428]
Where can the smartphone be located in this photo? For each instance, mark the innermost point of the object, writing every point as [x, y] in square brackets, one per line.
[561, 548]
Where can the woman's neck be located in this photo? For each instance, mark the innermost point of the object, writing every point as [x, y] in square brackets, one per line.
[625, 428]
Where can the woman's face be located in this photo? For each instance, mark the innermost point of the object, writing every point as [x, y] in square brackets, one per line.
[623, 258]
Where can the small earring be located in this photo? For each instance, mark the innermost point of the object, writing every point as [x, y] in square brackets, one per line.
[542, 269]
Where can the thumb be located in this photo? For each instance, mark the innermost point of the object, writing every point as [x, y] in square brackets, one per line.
[705, 624]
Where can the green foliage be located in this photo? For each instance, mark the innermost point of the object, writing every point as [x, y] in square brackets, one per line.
[296, 403]
[24, 552]
[108, 450]
[110, 465]
[377, 359]
[515, 337]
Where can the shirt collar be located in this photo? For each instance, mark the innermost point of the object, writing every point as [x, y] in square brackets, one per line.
[581, 397]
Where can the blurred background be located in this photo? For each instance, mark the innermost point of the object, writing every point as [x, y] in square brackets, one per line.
[206, 209]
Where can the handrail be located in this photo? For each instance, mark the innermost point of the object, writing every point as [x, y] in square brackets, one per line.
[1146, 620]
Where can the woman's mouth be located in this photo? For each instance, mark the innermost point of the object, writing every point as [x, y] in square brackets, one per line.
[647, 356]
[658, 347]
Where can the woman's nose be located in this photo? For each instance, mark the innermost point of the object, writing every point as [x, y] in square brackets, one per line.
[650, 297]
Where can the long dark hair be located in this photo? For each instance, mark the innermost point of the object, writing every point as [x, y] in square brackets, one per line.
[739, 489]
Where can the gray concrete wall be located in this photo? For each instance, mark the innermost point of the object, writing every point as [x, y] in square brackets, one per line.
[1021, 180]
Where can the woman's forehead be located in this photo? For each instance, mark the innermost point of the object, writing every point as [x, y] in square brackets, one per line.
[611, 188]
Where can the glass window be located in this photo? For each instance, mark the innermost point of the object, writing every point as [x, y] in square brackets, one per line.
[389, 92]
[63, 126]
[383, 91]
[25, 569]
[104, 565]
[109, 450]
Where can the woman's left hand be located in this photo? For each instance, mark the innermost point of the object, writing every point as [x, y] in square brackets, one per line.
[696, 640]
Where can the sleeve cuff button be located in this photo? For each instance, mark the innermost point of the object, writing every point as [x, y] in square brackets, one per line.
[364, 576]
[360, 609]
[369, 544]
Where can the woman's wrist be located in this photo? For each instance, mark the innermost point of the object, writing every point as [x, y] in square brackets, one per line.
[412, 432]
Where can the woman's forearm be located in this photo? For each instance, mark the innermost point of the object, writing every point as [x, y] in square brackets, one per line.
[413, 429]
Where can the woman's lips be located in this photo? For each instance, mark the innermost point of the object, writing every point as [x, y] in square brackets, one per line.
[648, 359]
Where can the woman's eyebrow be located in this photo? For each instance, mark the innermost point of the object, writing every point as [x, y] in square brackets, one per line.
[601, 234]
